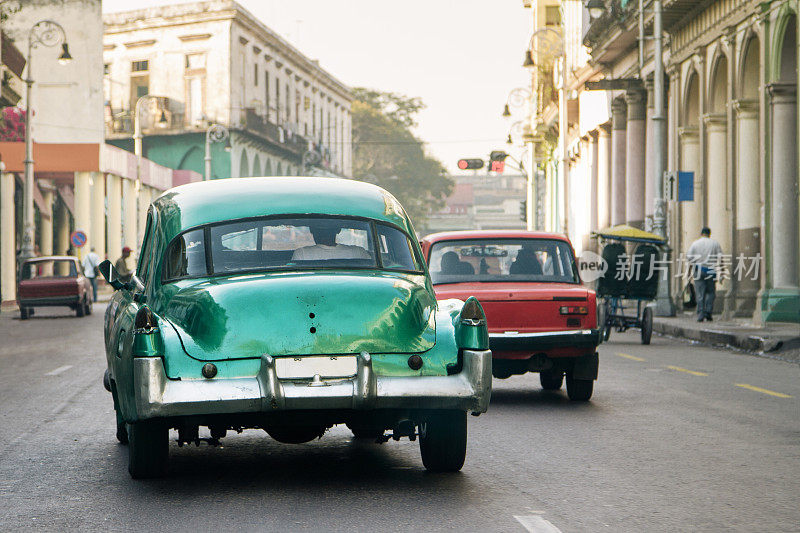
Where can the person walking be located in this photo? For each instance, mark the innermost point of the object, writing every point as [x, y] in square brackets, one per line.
[705, 255]
[121, 266]
[90, 263]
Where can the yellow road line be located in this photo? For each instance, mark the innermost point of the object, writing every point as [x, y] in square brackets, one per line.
[692, 372]
[764, 391]
[631, 357]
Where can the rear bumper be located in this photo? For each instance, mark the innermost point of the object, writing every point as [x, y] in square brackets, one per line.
[48, 301]
[542, 341]
[157, 396]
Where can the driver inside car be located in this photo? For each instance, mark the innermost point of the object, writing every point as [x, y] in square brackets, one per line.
[326, 247]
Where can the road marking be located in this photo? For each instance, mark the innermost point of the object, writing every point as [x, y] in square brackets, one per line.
[59, 370]
[537, 524]
[631, 357]
[692, 372]
[764, 391]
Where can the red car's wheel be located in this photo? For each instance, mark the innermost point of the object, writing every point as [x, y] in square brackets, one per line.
[551, 379]
[579, 390]
[24, 313]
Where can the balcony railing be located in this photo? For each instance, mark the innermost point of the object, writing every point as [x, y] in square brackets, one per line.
[259, 125]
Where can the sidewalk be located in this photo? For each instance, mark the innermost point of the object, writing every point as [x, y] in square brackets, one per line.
[778, 340]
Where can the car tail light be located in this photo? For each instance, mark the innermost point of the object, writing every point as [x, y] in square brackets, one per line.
[574, 310]
[472, 313]
[145, 321]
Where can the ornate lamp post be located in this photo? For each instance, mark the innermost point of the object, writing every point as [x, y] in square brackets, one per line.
[45, 33]
[216, 133]
[137, 150]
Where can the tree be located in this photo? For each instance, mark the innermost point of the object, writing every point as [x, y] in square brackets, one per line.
[386, 152]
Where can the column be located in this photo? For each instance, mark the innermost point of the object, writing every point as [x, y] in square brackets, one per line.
[114, 218]
[748, 205]
[8, 232]
[97, 239]
[783, 194]
[718, 214]
[635, 162]
[143, 206]
[649, 174]
[62, 229]
[603, 178]
[46, 223]
[83, 207]
[594, 174]
[619, 112]
[692, 212]
[129, 215]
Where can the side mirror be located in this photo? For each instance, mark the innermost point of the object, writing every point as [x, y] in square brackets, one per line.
[110, 273]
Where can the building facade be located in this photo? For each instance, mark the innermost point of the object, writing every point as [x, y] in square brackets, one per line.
[731, 120]
[214, 62]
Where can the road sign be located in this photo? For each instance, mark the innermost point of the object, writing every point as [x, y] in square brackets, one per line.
[670, 186]
[686, 186]
[77, 238]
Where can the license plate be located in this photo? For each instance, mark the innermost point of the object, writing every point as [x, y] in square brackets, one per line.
[327, 366]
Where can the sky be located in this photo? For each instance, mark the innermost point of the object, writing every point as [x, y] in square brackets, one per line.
[462, 57]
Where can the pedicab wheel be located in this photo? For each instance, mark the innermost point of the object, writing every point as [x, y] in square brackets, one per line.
[443, 441]
[606, 328]
[647, 325]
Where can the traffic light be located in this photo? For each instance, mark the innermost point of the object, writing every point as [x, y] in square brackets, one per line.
[470, 164]
[523, 210]
[497, 161]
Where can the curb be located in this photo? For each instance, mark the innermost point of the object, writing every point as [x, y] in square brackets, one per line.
[742, 341]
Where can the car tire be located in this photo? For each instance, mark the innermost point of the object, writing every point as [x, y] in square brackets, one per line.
[647, 325]
[363, 431]
[551, 379]
[148, 449]
[122, 430]
[24, 313]
[443, 441]
[88, 306]
[579, 390]
[80, 309]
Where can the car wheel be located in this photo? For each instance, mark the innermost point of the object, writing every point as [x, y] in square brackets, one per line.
[551, 379]
[148, 449]
[647, 325]
[443, 441]
[88, 306]
[24, 313]
[579, 390]
[122, 430]
[80, 309]
[364, 431]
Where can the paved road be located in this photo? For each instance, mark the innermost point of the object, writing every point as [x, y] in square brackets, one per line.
[677, 438]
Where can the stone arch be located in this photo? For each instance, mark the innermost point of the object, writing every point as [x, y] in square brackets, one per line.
[784, 46]
[257, 166]
[279, 171]
[267, 167]
[690, 112]
[244, 168]
[718, 86]
[192, 160]
[749, 77]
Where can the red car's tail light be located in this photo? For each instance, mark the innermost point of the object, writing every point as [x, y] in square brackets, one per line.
[574, 310]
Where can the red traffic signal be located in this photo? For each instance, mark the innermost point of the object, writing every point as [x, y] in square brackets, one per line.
[497, 166]
[470, 164]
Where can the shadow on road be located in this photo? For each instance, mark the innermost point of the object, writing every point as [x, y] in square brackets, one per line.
[535, 397]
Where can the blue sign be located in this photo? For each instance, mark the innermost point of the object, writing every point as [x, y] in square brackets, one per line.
[77, 238]
[686, 186]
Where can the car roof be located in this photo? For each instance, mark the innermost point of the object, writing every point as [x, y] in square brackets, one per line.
[206, 202]
[493, 234]
[51, 257]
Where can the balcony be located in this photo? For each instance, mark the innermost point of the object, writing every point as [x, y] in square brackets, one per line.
[257, 124]
[119, 122]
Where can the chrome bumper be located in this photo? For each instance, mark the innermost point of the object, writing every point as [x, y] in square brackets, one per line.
[509, 342]
[157, 396]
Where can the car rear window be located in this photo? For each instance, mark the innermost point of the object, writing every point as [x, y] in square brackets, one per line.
[50, 268]
[289, 244]
[545, 260]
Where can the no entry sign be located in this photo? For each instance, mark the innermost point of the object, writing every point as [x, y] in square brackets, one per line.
[77, 238]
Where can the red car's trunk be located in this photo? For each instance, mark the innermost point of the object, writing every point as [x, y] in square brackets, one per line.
[48, 287]
[526, 308]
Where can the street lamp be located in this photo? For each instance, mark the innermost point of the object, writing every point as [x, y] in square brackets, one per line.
[137, 150]
[596, 8]
[45, 33]
[216, 133]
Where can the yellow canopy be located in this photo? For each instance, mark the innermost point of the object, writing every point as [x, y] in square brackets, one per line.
[628, 233]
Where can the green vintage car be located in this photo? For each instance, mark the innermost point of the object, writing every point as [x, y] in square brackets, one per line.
[289, 305]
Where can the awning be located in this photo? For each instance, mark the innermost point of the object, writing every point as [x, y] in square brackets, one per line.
[38, 199]
[623, 232]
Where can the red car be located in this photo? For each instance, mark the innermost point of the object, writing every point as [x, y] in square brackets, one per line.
[53, 281]
[540, 317]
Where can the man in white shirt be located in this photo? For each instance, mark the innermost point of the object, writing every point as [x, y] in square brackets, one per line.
[326, 248]
[705, 255]
[90, 263]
